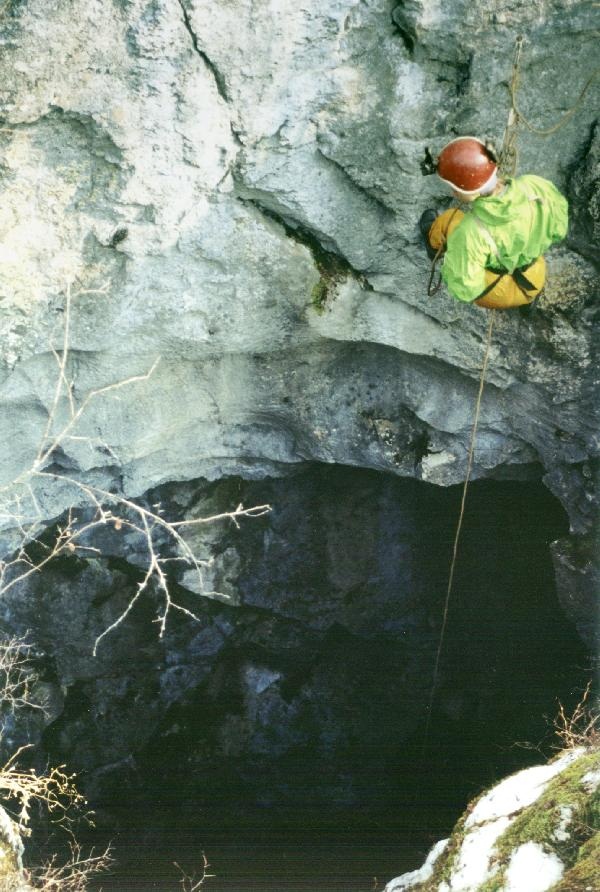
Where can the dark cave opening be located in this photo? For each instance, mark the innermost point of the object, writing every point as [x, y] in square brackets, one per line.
[294, 756]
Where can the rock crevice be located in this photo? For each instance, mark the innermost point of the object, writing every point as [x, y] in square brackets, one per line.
[219, 79]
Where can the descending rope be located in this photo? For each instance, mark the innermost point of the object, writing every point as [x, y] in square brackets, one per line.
[470, 457]
[508, 160]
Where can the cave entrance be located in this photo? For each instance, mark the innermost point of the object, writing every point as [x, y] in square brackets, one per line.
[295, 761]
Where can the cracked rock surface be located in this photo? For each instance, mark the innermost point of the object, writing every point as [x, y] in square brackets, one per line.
[204, 175]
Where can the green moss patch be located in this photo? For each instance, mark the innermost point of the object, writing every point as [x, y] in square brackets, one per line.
[540, 821]
[585, 874]
[319, 294]
[332, 267]
[579, 851]
[494, 884]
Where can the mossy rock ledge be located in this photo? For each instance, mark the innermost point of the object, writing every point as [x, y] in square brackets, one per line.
[11, 852]
[536, 831]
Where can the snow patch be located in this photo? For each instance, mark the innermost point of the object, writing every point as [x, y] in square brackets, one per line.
[561, 834]
[591, 781]
[531, 869]
[424, 873]
[473, 866]
[517, 792]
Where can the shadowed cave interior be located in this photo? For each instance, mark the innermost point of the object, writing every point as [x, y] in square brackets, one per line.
[295, 755]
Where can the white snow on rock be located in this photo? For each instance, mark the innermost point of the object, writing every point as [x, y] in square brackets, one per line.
[407, 880]
[517, 792]
[591, 781]
[561, 834]
[473, 864]
[531, 869]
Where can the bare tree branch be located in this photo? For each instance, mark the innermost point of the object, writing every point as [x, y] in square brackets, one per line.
[111, 509]
[191, 883]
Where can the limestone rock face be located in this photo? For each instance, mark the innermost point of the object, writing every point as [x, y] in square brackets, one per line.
[208, 165]
[585, 195]
[227, 192]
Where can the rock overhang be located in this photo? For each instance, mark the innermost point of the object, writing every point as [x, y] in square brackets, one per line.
[194, 174]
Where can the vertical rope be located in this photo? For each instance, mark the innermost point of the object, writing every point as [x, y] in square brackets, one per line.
[470, 457]
[509, 153]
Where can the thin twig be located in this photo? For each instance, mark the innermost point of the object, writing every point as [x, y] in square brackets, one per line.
[126, 514]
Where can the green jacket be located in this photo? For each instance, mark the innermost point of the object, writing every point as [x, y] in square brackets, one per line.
[522, 223]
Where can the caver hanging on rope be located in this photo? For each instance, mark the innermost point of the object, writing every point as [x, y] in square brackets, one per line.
[498, 248]
[493, 255]
[471, 168]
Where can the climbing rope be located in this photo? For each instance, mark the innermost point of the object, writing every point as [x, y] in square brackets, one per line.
[509, 151]
[432, 286]
[470, 458]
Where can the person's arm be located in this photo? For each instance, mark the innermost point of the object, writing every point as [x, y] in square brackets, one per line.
[463, 269]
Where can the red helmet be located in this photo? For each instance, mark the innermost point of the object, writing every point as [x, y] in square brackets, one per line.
[466, 165]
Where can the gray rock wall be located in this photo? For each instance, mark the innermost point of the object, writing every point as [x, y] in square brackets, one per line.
[204, 172]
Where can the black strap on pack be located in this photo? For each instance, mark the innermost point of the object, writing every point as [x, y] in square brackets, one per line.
[493, 284]
[520, 280]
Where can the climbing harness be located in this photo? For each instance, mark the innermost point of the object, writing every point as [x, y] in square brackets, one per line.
[518, 275]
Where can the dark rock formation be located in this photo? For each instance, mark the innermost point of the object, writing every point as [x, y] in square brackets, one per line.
[320, 661]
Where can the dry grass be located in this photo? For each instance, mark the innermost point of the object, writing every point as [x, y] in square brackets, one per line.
[23, 788]
[72, 876]
[582, 726]
[16, 675]
[191, 883]
[55, 790]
